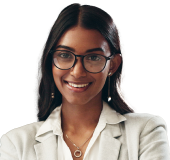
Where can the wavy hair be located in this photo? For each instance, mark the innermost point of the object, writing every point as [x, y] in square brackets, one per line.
[88, 17]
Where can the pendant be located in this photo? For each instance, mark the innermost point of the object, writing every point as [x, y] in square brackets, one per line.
[77, 152]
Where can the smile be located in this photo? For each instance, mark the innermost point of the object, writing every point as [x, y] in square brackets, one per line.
[77, 87]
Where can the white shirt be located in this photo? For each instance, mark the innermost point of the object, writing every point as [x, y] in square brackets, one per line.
[92, 149]
[141, 136]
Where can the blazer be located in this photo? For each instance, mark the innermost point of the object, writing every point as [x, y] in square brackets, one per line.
[137, 137]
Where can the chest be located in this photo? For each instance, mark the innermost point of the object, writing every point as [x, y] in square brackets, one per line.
[74, 150]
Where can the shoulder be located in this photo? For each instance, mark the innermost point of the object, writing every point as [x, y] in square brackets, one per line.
[19, 141]
[140, 117]
[143, 116]
[144, 122]
[29, 128]
[26, 132]
[146, 136]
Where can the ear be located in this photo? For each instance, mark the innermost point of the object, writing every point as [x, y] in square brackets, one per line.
[115, 63]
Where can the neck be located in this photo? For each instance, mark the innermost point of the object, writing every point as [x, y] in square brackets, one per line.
[80, 118]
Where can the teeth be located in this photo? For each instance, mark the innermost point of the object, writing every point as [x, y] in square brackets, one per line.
[78, 85]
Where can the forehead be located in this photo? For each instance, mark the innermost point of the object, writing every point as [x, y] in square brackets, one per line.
[83, 39]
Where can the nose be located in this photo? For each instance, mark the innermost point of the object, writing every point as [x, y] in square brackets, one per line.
[78, 70]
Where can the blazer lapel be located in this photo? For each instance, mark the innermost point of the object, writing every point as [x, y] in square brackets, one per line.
[47, 147]
[109, 147]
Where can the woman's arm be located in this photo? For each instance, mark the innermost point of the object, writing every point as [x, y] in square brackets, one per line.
[7, 149]
[153, 141]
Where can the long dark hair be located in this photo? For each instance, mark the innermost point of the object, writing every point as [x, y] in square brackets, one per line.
[88, 17]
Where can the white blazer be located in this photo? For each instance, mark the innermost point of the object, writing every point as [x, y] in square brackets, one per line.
[139, 137]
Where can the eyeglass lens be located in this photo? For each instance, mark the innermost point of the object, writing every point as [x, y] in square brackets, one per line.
[92, 62]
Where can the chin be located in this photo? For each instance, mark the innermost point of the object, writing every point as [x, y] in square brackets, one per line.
[77, 101]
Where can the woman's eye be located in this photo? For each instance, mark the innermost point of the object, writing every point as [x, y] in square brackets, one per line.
[95, 58]
[64, 55]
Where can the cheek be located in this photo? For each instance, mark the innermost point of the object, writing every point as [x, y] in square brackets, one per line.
[101, 79]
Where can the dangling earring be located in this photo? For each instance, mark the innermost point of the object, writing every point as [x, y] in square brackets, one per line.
[108, 96]
[52, 95]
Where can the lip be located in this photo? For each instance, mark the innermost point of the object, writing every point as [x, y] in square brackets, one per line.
[74, 89]
[77, 82]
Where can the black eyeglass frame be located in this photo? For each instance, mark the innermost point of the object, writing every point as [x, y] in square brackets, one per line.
[82, 56]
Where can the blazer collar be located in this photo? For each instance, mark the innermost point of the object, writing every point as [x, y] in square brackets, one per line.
[109, 146]
[110, 116]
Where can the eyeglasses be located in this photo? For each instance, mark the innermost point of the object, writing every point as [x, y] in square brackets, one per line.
[93, 63]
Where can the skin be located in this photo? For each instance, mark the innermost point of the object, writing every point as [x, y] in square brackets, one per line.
[81, 108]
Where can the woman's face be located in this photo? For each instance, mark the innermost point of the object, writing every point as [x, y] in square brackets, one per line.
[80, 41]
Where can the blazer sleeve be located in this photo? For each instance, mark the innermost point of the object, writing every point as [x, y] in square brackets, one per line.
[153, 144]
[7, 149]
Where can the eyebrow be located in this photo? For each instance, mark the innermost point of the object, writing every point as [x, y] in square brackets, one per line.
[73, 50]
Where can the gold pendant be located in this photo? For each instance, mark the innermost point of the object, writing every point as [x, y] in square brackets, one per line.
[77, 152]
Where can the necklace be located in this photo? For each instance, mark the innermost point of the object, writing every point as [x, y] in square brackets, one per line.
[77, 152]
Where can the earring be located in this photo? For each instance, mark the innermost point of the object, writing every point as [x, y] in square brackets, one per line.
[108, 96]
[52, 95]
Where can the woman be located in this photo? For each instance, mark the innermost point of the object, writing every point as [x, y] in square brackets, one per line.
[81, 114]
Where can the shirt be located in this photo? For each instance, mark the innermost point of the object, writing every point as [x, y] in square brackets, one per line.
[91, 153]
[131, 136]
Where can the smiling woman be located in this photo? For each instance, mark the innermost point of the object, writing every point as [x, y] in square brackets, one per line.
[100, 37]
[81, 114]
